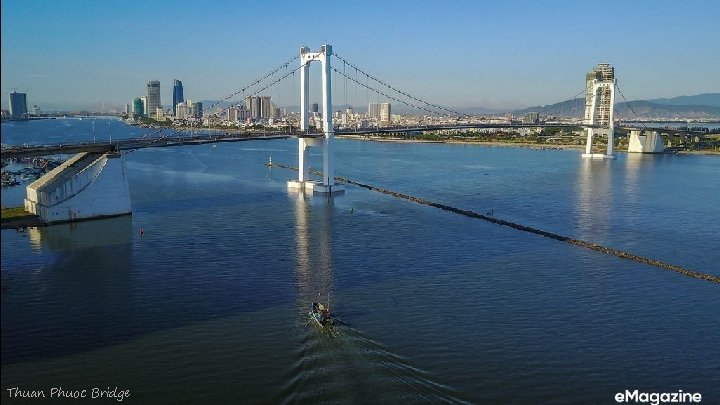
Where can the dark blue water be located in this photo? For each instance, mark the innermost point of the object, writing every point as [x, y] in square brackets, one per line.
[210, 304]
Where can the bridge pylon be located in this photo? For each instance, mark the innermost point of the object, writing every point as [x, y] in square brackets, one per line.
[327, 185]
[600, 107]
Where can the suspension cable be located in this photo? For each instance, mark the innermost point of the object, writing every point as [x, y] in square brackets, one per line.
[252, 84]
[292, 72]
[398, 91]
[629, 106]
[368, 88]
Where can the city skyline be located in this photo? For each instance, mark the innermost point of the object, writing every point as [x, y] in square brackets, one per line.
[497, 56]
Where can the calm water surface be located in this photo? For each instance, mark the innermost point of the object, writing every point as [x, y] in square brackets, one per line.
[210, 304]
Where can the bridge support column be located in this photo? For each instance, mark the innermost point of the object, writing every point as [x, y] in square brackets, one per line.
[327, 185]
[303, 163]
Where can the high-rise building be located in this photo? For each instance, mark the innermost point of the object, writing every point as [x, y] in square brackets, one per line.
[259, 106]
[127, 109]
[18, 105]
[380, 111]
[373, 110]
[181, 111]
[196, 110]
[252, 103]
[315, 107]
[232, 114]
[177, 93]
[144, 100]
[153, 97]
[267, 108]
[138, 109]
[601, 78]
[385, 115]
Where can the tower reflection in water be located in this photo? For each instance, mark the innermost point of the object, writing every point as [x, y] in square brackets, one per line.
[594, 199]
[314, 266]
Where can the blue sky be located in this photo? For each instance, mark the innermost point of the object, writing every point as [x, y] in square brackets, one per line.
[496, 54]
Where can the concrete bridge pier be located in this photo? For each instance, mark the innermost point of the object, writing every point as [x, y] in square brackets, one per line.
[89, 185]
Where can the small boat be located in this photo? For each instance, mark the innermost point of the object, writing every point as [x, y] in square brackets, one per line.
[321, 315]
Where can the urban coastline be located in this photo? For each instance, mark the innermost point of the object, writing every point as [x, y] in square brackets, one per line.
[323, 236]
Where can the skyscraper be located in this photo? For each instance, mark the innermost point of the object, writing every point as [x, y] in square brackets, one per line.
[177, 93]
[138, 108]
[385, 113]
[267, 109]
[259, 106]
[196, 110]
[181, 111]
[153, 97]
[18, 105]
[379, 110]
[232, 114]
[144, 101]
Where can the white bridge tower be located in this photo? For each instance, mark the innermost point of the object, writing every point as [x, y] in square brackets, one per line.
[327, 185]
[599, 108]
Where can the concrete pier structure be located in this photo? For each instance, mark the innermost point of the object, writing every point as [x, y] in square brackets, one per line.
[645, 142]
[327, 185]
[86, 186]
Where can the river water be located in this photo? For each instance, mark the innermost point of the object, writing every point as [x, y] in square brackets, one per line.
[210, 304]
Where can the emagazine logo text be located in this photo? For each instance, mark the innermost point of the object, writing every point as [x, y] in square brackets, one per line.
[657, 398]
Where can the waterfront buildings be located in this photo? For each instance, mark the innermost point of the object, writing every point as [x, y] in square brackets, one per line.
[18, 105]
[153, 97]
[177, 93]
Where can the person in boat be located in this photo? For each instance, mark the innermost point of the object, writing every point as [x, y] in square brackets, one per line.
[325, 317]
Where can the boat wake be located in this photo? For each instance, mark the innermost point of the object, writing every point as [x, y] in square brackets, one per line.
[345, 366]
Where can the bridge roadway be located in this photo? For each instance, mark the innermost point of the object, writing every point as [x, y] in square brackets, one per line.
[135, 143]
[9, 152]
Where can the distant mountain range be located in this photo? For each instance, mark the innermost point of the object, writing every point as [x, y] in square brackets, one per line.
[705, 105]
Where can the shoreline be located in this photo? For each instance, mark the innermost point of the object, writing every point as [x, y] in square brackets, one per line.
[536, 146]
[465, 142]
